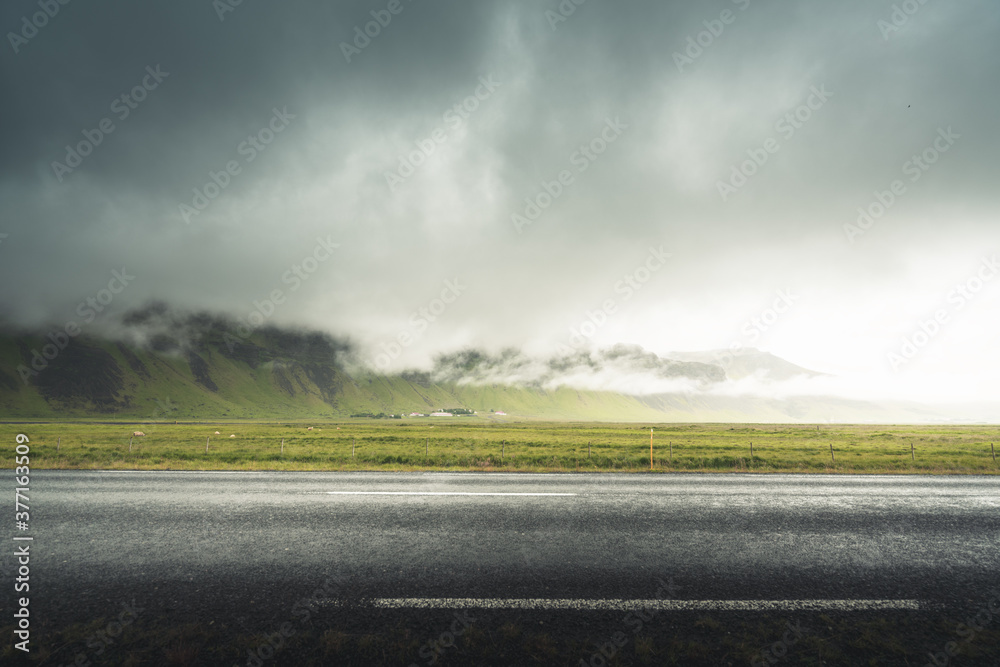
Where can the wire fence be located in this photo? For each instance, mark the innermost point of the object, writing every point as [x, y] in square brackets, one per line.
[464, 452]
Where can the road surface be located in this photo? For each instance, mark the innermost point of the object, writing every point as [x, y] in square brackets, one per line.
[242, 549]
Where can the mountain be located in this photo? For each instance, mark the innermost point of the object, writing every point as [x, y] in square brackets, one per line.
[748, 362]
[164, 365]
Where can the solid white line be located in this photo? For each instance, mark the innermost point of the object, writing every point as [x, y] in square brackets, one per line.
[628, 605]
[435, 493]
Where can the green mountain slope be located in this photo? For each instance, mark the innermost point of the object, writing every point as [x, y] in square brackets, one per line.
[273, 374]
[201, 371]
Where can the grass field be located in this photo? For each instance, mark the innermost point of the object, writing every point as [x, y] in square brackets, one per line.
[478, 444]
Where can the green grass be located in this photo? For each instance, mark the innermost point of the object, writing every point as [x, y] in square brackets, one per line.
[478, 444]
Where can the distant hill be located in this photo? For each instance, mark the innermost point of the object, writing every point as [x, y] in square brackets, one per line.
[748, 362]
[199, 367]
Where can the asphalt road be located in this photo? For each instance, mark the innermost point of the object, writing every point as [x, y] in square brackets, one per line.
[241, 549]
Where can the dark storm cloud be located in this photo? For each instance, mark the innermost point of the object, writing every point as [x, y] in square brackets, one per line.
[685, 122]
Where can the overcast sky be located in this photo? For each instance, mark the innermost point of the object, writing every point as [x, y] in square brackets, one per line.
[640, 123]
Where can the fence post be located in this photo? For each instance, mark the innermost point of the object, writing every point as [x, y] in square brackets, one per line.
[650, 449]
[670, 445]
[832, 457]
[912, 459]
[751, 449]
[129, 446]
[59, 442]
[994, 452]
[353, 443]
[206, 443]
[588, 449]
[503, 446]
[427, 446]
[282, 446]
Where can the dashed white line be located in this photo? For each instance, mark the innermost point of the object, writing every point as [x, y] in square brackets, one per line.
[435, 493]
[627, 605]
[180, 472]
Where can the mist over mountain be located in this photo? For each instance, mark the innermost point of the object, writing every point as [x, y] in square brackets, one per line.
[208, 366]
[749, 362]
[160, 328]
[627, 369]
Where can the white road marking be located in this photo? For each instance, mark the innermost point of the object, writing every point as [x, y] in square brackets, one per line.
[435, 493]
[186, 472]
[629, 605]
